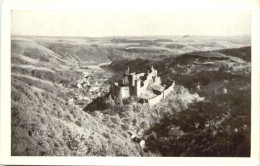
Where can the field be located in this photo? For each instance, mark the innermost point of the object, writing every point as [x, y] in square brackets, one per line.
[61, 106]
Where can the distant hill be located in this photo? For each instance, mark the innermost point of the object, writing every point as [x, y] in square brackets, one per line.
[176, 46]
[243, 53]
[163, 40]
[107, 49]
[190, 63]
[139, 64]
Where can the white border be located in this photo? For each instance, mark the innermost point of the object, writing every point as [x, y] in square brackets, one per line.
[5, 137]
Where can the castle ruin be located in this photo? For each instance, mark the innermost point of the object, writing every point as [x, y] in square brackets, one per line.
[146, 86]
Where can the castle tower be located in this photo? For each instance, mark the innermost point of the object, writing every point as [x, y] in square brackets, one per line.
[126, 77]
[132, 79]
[149, 69]
[137, 87]
[127, 71]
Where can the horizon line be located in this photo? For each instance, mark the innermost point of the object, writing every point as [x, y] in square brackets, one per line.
[115, 36]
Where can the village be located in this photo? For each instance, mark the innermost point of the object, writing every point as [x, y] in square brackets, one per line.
[92, 84]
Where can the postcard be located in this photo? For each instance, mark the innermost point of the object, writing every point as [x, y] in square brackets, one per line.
[130, 83]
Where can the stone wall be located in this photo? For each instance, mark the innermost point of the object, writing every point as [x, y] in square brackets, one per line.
[155, 100]
[169, 89]
[164, 94]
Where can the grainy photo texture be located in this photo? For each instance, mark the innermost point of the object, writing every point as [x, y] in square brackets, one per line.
[131, 83]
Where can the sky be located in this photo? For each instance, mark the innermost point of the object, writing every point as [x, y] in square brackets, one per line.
[99, 23]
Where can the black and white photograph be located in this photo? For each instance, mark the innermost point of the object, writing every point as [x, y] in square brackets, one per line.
[131, 83]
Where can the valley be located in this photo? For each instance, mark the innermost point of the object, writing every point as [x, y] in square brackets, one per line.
[61, 106]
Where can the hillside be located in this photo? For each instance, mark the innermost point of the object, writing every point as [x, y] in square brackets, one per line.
[44, 122]
[223, 77]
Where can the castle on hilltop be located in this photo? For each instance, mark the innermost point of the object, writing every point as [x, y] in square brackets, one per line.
[147, 86]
